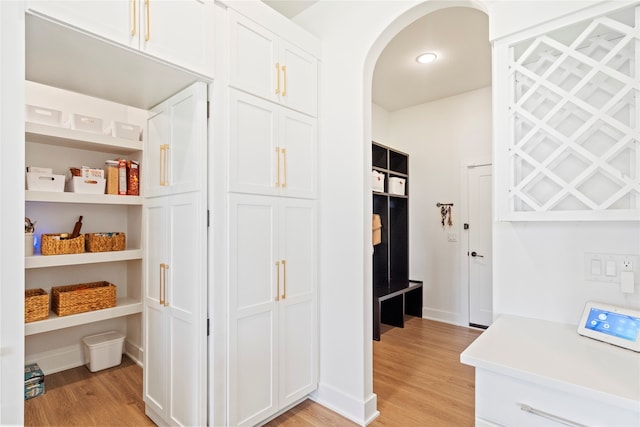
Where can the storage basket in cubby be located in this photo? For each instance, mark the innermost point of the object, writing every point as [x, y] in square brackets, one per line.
[36, 305]
[104, 242]
[73, 299]
[52, 244]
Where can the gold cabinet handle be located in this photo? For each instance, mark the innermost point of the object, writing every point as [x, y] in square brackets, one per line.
[164, 181]
[161, 283]
[166, 301]
[277, 78]
[277, 280]
[134, 30]
[284, 169]
[147, 35]
[284, 75]
[284, 282]
[278, 171]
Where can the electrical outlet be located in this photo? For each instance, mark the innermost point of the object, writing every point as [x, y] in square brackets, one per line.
[627, 265]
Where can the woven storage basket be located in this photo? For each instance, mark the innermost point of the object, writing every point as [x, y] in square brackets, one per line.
[72, 299]
[104, 242]
[36, 305]
[50, 245]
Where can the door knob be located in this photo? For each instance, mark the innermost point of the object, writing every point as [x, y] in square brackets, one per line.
[475, 254]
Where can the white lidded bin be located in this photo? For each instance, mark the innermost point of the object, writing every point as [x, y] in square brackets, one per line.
[377, 181]
[102, 351]
[397, 186]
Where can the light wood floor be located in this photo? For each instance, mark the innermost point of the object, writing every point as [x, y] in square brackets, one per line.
[417, 377]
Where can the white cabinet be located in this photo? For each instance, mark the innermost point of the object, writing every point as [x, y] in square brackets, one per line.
[272, 305]
[176, 164]
[175, 310]
[179, 32]
[268, 66]
[175, 292]
[273, 150]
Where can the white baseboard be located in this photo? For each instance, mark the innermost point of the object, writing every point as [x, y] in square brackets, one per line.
[442, 316]
[135, 352]
[359, 411]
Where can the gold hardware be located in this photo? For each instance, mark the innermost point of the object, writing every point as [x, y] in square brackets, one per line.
[164, 181]
[284, 74]
[278, 176]
[135, 28]
[160, 282]
[277, 78]
[284, 282]
[284, 156]
[147, 35]
[166, 302]
[278, 281]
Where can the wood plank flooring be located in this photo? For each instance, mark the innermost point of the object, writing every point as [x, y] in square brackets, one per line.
[417, 377]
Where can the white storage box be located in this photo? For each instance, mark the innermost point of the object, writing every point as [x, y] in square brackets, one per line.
[125, 130]
[79, 184]
[38, 181]
[45, 116]
[103, 350]
[377, 181]
[85, 123]
[397, 186]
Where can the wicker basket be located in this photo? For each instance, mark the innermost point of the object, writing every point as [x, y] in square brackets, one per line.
[104, 242]
[73, 299]
[36, 305]
[50, 244]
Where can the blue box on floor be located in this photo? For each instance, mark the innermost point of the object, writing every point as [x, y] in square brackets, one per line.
[33, 381]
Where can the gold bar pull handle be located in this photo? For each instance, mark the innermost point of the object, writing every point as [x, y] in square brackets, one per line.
[134, 29]
[147, 35]
[284, 169]
[277, 280]
[284, 282]
[166, 301]
[278, 170]
[284, 75]
[164, 181]
[277, 78]
[161, 283]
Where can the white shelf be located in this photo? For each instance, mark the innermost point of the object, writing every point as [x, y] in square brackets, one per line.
[70, 138]
[124, 307]
[41, 261]
[67, 197]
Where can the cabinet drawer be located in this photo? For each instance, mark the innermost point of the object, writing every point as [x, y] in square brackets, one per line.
[499, 399]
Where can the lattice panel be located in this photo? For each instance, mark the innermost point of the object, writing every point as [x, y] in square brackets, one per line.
[575, 117]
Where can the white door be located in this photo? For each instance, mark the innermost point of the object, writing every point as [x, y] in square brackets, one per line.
[297, 306]
[177, 133]
[255, 274]
[179, 32]
[480, 246]
[298, 154]
[299, 79]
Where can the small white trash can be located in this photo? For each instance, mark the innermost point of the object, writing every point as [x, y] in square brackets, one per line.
[102, 351]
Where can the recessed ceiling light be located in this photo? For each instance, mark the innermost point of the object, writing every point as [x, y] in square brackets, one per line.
[427, 58]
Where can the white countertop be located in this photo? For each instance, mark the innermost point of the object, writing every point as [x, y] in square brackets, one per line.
[553, 354]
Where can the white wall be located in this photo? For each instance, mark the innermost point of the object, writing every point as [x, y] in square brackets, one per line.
[380, 125]
[441, 138]
[350, 50]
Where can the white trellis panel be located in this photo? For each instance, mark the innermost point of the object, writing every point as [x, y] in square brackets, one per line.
[573, 114]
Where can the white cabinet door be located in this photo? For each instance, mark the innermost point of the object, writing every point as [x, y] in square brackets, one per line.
[253, 57]
[177, 131]
[116, 20]
[175, 310]
[179, 32]
[253, 297]
[272, 305]
[265, 65]
[298, 354]
[272, 150]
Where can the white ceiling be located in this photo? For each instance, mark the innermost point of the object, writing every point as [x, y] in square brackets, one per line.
[460, 37]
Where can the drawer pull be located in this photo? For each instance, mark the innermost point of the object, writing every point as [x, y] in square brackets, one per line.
[549, 416]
